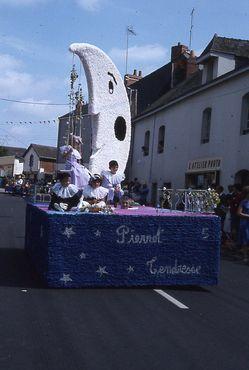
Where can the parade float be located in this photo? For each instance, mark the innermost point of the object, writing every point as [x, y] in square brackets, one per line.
[119, 247]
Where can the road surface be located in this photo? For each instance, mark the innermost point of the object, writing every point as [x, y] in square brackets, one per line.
[116, 329]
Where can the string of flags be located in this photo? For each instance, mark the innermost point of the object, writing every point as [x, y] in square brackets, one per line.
[20, 123]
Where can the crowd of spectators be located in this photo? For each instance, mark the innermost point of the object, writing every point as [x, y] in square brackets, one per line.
[232, 210]
[137, 191]
[234, 220]
[22, 186]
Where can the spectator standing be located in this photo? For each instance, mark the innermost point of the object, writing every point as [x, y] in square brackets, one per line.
[135, 190]
[243, 214]
[222, 209]
[234, 202]
[144, 191]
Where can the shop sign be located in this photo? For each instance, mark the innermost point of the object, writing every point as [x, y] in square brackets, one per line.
[203, 165]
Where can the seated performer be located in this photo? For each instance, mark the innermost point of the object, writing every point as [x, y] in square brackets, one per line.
[112, 181]
[64, 195]
[93, 194]
[79, 174]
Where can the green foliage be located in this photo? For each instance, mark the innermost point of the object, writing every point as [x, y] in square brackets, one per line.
[3, 151]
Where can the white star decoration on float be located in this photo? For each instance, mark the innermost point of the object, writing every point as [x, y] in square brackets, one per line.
[97, 233]
[66, 278]
[83, 256]
[130, 269]
[101, 271]
[68, 232]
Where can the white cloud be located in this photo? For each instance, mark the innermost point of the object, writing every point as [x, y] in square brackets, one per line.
[43, 112]
[15, 43]
[17, 84]
[90, 5]
[145, 53]
[7, 62]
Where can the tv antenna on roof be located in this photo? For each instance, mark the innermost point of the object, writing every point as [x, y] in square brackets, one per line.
[191, 27]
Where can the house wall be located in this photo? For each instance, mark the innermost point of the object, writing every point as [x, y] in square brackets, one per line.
[48, 166]
[183, 122]
[18, 167]
[36, 162]
[221, 64]
[11, 166]
[225, 64]
[7, 160]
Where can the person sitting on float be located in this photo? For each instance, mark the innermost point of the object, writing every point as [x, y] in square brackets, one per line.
[79, 174]
[93, 195]
[64, 195]
[112, 181]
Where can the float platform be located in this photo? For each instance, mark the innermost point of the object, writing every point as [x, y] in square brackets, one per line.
[134, 247]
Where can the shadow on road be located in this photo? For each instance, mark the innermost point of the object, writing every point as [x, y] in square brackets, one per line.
[16, 270]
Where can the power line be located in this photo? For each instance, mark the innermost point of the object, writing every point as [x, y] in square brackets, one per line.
[29, 102]
[13, 136]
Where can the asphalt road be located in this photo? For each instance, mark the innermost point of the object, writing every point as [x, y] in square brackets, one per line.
[115, 329]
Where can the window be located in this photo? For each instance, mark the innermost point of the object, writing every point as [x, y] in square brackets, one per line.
[210, 70]
[31, 160]
[161, 135]
[146, 146]
[245, 115]
[206, 125]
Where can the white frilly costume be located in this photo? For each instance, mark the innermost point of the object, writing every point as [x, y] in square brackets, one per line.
[79, 174]
[90, 193]
[112, 182]
[64, 197]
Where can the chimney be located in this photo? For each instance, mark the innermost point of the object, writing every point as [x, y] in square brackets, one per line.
[131, 79]
[192, 66]
[177, 51]
[183, 63]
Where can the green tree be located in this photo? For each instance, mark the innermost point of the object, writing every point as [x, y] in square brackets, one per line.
[3, 151]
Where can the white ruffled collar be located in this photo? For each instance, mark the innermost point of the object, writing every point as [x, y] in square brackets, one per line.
[64, 192]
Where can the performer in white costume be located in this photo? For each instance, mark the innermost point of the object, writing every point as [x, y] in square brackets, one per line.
[112, 181]
[64, 195]
[93, 194]
[79, 174]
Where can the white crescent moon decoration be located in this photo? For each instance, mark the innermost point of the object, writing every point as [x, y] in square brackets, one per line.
[109, 107]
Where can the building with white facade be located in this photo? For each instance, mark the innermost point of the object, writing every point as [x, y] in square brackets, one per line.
[11, 161]
[196, 133]
[40, 162]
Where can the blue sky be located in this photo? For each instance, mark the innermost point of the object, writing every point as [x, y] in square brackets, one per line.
[35, 62]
